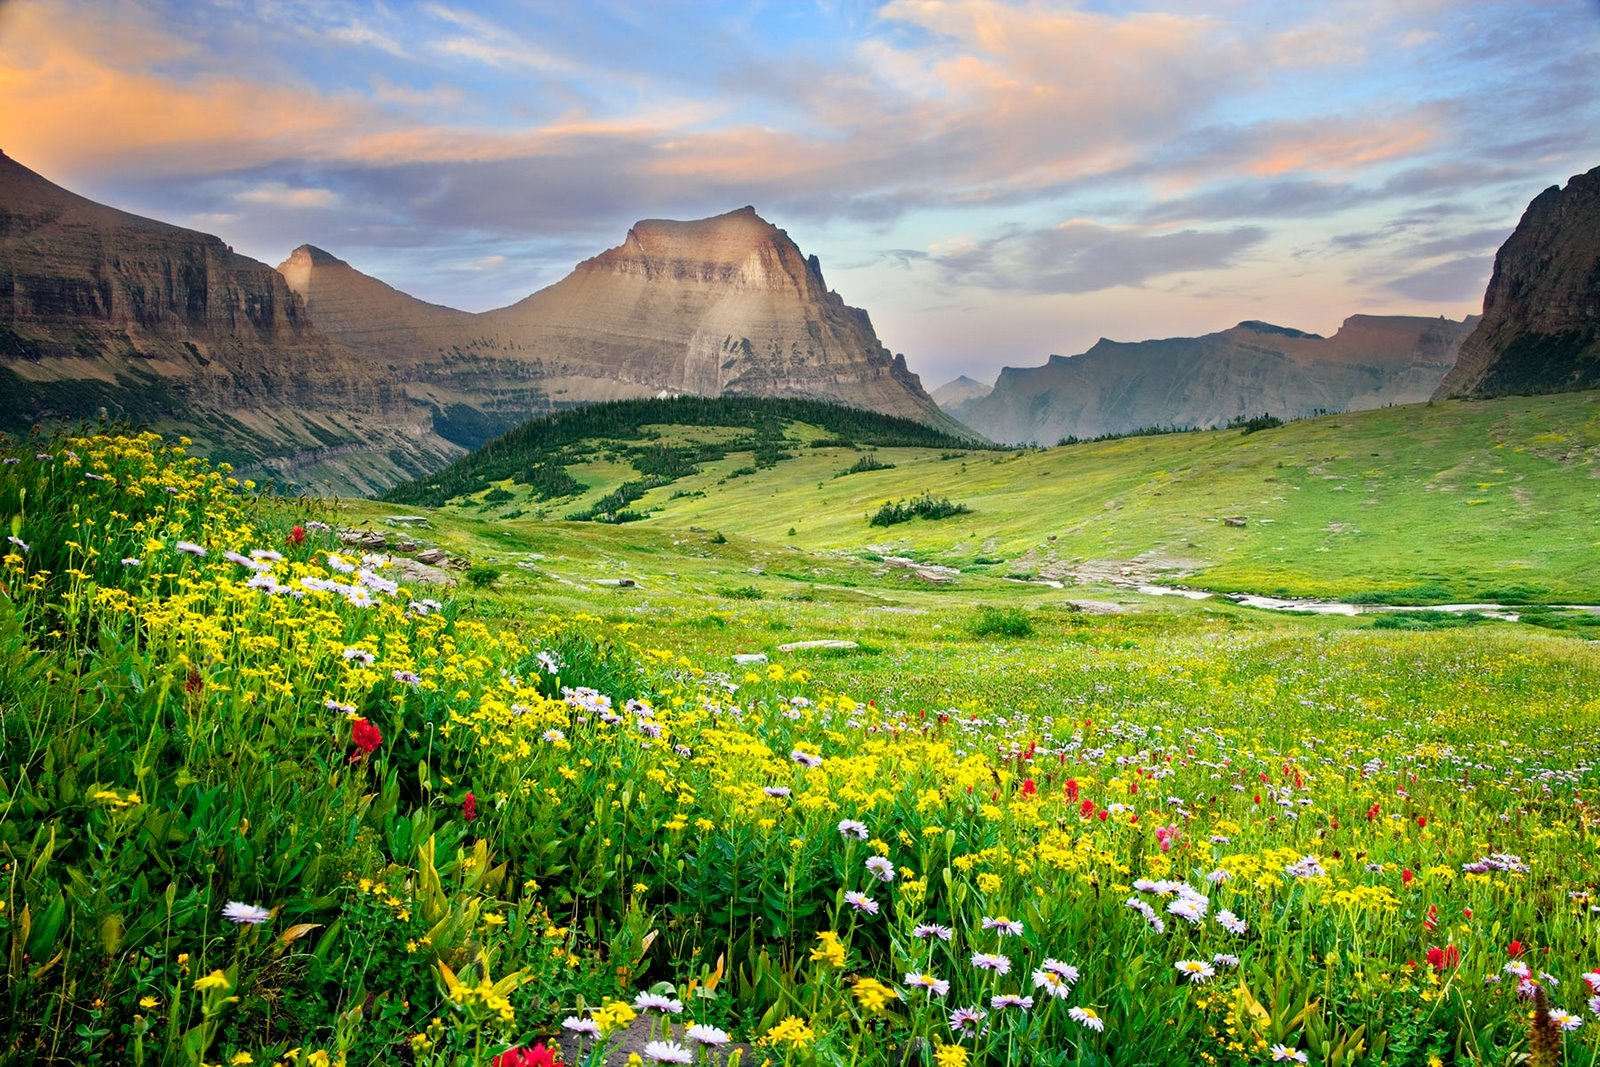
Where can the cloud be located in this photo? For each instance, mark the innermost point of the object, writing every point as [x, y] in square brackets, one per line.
[1279, 198]
[86, 94]
[1081, 257]
[1452, 281]
[485, 41]
[278, 194]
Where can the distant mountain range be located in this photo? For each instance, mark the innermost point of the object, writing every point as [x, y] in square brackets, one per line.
[325, 377]
[1250, 369]
[1539, 333]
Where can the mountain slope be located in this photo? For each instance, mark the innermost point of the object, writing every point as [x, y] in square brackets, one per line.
[105, 311]
[1255, 367]
[1541, 313]
[720, 306]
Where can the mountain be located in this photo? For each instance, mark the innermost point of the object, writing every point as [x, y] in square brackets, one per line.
[1253, 368]
[1541, 313]
[721, 306]
[954, 397]
[105, 311]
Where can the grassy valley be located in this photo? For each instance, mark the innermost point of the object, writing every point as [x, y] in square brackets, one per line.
[1454, 501]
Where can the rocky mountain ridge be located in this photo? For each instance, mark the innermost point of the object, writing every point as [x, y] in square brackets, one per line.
[720, 306]
[105, 311]
[1541, 312]
[1249, 369]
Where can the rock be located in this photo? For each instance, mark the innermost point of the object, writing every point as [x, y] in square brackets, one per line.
[407, 545]
[431, 555]
[617, 583]
[1094, 607]
[410, 572]
[369, 539]
[1115, 387]
[420, 521]
[1235, 520]
[1541, 312]
[745, 659]
[934, 577]
[801, 646]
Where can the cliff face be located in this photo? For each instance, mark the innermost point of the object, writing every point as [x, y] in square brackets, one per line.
[101, 310]
[726, 305]
[1114, 387]
[1541, 313]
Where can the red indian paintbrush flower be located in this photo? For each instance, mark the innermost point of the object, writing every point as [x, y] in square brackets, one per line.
[540, 1055]
[469, 807]
[1446, 958]
[365, 737]
[297, 536]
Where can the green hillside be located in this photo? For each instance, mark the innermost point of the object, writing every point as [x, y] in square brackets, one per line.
[661, 441]
[1491, 500]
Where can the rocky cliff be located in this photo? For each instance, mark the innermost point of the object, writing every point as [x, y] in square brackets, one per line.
[725, 305]
[1255, 367]
[1541, 313]
[106, 312]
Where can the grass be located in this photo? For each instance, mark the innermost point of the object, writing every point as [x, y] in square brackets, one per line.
[1454, 501]
[468, 856]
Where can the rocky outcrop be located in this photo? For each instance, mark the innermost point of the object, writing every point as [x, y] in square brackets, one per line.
[725, 305]
[1251, 369]
[1541, 313]
[955, 397]
[104, 312]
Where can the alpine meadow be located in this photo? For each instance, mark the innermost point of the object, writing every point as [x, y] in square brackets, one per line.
[619, 655]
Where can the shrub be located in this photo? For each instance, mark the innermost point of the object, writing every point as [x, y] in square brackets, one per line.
[922, 507]
[481, 575]
[869, 461]
[1002, 622]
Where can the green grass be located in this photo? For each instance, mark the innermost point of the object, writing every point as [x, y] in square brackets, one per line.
[1455, 501]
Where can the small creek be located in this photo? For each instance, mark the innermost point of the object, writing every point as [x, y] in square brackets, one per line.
[1336, 607]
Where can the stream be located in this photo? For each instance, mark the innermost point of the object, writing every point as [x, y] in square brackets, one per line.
[1336, 607]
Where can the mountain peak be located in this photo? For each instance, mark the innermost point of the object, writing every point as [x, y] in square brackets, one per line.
[315, 256]
[1257, 326]
[1540, 331]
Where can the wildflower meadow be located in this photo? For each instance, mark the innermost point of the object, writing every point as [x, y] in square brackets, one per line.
[263, 802]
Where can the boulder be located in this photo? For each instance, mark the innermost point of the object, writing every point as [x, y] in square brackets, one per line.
[411, 572]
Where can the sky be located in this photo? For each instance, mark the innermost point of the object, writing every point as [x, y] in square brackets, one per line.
[994, 182]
